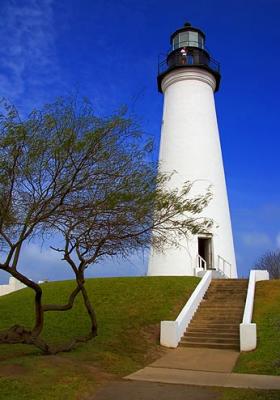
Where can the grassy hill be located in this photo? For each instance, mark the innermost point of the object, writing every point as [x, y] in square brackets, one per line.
[128, 310]
[266, 358]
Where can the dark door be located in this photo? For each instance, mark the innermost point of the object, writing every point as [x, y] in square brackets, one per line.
[205, 250]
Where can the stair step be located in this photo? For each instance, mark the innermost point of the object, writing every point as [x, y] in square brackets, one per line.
[210, 325]
[228, 282]
[209, 339]
[212, 320]
[225, 282]
[225, 296]
[216, 319]
[213, 335]
[213, 330]
[211, 345]
[224, 304]
[226, 290]
[214, 308]
[221, 283]
[213, 304]
[212, 315]
[219, 311]
[224, 287]
[228, 297]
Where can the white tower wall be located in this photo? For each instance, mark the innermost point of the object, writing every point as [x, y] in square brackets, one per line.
[190, 145]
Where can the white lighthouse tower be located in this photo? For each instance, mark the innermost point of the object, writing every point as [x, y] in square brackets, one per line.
[190, 145]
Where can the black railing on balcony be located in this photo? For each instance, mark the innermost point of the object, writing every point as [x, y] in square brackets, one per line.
[189, 57]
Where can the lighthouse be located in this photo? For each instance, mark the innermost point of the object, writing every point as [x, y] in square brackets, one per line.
[188, 78]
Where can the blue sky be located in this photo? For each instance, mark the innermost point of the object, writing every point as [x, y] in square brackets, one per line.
[107, 50]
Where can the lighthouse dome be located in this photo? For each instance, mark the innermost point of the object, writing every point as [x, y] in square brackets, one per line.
[188, 36]
[188, 51]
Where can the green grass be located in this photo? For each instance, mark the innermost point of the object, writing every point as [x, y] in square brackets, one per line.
[248, 394]
[266, 358]
[128, 310]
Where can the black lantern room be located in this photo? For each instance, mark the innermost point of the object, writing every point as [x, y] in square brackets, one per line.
[188, 50]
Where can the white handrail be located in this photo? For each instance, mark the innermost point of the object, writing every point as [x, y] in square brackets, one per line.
[248, 329]
[172, 331]
[201, 263]
[249, 305]
[223, 265]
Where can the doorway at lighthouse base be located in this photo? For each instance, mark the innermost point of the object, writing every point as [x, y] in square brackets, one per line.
[205, 251]
[194, 258]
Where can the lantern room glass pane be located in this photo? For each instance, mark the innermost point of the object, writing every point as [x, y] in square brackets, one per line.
[188, 38]
[200, 41]
[193, 39]
[176, 42]
[184, 39]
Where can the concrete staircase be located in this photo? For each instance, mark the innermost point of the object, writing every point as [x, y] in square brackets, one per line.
[216, 274]
[216, 322]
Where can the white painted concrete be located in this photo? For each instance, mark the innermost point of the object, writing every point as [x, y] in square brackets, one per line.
[172, 331]
[12, 286]
[190, 145]
[261, 275]
[169, 336]
[248, 330]
[248, 336]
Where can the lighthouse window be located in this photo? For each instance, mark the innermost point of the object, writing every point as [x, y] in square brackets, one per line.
[193, 39]
[176, 42]
[200, 42]
[184, 39]
[189, 38]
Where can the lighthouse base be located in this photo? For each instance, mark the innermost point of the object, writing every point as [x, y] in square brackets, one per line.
[192, 259]
[177, 262]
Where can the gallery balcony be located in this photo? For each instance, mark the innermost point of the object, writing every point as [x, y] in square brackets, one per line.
[187, 58]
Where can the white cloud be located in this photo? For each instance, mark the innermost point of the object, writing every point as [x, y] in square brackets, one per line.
[278, 240]
[256, 239]
[41, 262]
[27, 49]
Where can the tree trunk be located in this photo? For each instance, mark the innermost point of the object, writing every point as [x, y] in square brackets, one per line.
[90, 311]
[20, 334]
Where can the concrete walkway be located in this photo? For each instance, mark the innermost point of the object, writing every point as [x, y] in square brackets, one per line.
[202, 367]
[202, 378]
[198, 359]
[186, 374]
[133, 390]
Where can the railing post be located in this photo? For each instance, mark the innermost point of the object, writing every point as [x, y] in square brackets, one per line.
[201, 262]
[222, 264]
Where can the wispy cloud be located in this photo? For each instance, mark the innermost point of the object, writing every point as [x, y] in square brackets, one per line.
[28, 61]
[256, 239]
[278, 240]
[40, 262]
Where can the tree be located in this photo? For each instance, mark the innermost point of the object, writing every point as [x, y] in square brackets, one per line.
[65, 171]
[270, 261]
